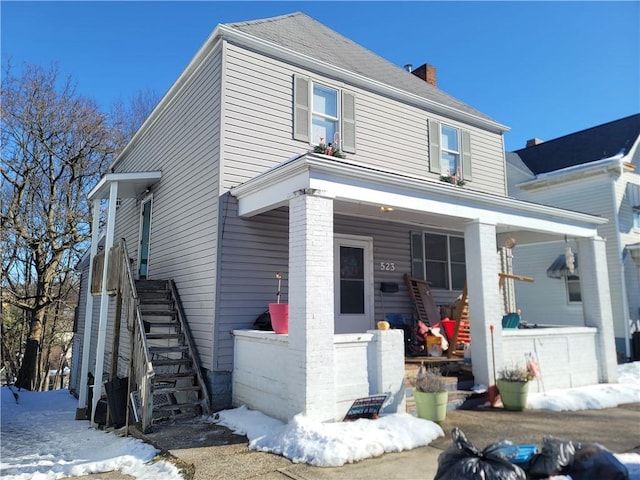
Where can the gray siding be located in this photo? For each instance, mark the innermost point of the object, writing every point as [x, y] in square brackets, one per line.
[183, 143]
[389, 135]
[254, 249]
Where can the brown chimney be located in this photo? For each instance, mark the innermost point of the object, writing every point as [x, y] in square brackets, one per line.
[427, 73]
[533, 142]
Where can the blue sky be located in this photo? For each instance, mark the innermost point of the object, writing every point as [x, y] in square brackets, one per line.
[545, 69]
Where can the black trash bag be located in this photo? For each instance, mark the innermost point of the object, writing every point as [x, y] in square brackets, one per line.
[554, 457]
[263, 322]
[464, 461]
[594, 462]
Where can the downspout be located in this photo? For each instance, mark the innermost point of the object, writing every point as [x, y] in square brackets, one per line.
[620, 255]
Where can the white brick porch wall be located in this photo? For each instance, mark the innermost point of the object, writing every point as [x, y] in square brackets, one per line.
[566, 355]
[365, 364]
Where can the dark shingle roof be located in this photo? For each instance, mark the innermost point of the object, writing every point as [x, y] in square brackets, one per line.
[586, 146]
[303, 34]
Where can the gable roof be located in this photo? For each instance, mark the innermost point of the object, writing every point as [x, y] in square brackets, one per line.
[302, 34]
[596, 143]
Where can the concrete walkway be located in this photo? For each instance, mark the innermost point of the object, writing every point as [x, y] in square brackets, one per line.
[213, 452]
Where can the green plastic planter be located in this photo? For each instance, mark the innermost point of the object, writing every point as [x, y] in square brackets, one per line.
[513, 394]
[431, 406]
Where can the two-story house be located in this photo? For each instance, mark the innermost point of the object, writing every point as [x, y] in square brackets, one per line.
[222, 187]
[596, 171]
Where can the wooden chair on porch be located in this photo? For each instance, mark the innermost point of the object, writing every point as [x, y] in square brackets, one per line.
[422, 299]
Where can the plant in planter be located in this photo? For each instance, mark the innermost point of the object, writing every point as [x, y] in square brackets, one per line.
[513, 385]
[453, 179]
[329, 149]
[279, 312]
[430, 394]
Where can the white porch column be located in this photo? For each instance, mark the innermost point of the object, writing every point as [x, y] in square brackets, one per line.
[596, 303]
[104, 299]
[484, 298]
[88, 313]
[311, 324]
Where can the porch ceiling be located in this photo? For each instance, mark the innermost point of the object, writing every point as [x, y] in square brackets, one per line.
[129, 184]
[361, 191]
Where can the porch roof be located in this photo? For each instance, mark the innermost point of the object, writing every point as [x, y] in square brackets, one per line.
[129, 184]
[361, 190]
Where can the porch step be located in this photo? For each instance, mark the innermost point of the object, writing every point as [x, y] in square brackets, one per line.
[164, 336]
[167, 390]
[178, 406]
[158, 313]
[172, 377]
[151, 285]
[159, 299]
[171, 362]
[175, 349]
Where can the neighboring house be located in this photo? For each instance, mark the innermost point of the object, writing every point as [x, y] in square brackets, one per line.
[221, 188]
[596, 171]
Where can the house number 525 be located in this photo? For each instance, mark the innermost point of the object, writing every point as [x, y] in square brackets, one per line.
[388, 266]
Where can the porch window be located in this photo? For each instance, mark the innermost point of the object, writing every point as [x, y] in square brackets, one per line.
[439, 259]
[323, 112]
[636, 217]
[559, 269]
[449, 150]
[573, 289]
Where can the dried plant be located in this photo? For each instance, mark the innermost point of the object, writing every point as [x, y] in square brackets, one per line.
[429, 380]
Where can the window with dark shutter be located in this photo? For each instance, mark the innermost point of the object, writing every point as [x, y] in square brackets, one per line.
[301, 112]
[322, 114]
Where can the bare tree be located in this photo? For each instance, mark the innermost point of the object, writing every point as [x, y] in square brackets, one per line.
[127, 117]
[55, 144]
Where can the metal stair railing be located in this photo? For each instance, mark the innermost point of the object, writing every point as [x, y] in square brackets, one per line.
[190, 343]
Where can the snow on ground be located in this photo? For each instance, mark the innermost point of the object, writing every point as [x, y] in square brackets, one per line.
[42, 441]
[303, 440]
[594, 397]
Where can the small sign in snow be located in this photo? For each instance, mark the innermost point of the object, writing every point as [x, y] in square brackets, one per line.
[367, 407]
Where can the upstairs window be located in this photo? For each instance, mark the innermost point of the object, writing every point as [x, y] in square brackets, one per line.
[439, 259]
[636, 217]
[323, 114]
[449, 150]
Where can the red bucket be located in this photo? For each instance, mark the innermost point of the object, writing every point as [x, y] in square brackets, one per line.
[449, 327]
[279, 317]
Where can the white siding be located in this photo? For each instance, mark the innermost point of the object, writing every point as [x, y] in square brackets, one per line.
[626, 193]
[533, 261]
[389, 135]
[183, 143]
[594, 195]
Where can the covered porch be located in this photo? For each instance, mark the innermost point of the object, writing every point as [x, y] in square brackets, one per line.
[310, 371]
